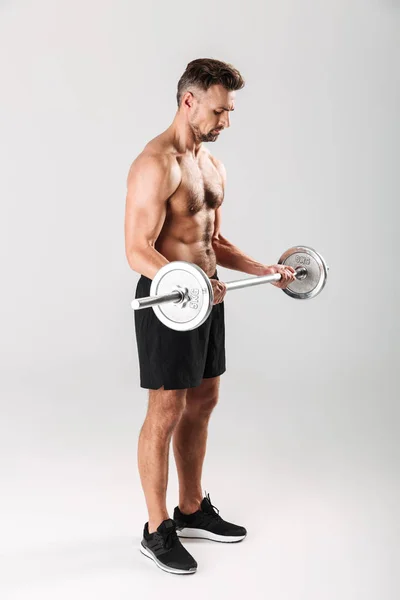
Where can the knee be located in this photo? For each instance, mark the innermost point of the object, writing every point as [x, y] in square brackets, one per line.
[201, 406]
[165, 414]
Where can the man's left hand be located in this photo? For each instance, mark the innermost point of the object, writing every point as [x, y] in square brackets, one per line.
[288, 274]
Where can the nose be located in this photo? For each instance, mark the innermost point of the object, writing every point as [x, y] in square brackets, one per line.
[227, 121]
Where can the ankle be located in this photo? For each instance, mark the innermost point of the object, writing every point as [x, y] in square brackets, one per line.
[154, 523]
[189, 508]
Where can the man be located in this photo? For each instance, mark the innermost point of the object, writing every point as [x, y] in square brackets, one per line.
[175, 191]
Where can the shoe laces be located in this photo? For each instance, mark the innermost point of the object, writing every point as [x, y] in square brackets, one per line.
[212, 510]
[169, 537]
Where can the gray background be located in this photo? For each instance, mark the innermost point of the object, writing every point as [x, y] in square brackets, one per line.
[303, 446]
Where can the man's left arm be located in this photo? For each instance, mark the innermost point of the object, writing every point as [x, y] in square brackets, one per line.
[230, 256]
[227, 254]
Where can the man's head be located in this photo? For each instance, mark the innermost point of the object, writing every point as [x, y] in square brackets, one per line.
[206, 94]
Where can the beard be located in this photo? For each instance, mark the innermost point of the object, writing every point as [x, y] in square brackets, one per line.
[203, 137]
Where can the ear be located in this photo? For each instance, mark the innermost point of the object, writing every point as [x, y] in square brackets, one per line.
[188, 99]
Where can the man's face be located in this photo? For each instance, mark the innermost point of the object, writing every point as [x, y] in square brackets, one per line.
[209, 113]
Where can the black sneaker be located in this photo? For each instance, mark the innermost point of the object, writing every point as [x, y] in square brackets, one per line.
[206, 523]
[164, 547]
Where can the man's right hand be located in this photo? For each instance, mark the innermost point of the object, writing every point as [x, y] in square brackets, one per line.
[219, 290]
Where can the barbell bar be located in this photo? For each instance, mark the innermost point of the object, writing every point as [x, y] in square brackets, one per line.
[182, 298]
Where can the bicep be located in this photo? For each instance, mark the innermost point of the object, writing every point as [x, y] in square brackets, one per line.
[217, 222]
[149, 186]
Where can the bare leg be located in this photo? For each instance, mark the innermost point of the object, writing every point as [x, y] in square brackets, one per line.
[190, 441]
[165, 408]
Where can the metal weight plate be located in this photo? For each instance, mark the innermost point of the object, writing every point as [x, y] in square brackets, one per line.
[317, 272]
[198, 301]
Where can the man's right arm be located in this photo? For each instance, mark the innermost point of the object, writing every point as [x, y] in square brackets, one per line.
[152, 179]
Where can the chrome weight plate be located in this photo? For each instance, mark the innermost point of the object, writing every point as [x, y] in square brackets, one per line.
[198, 299]
[317, 272]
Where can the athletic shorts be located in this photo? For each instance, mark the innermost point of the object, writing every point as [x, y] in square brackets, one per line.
[178, 359]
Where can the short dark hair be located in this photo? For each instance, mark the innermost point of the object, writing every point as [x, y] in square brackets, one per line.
[205, 72]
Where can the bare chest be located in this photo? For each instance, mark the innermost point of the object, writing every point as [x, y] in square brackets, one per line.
[201, 187]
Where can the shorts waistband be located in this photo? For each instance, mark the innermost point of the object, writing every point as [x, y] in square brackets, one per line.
[144, 278]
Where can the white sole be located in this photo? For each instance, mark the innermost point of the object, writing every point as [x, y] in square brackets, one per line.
[188, 532]
[149, 554]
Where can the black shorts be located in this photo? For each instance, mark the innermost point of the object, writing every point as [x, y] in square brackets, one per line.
[178, 359]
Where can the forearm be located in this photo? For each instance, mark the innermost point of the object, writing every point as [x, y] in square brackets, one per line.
[231, 257]
[146, 261]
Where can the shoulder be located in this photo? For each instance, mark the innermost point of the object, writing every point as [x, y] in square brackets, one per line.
[156, 164]
[218, 164]
[152, 176]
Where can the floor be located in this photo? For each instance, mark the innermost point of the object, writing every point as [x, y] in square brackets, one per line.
[318, 494]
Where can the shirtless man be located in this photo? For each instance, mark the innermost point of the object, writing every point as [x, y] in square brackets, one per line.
[175, 191]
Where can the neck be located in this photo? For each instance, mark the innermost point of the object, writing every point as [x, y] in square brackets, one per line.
[183, 135]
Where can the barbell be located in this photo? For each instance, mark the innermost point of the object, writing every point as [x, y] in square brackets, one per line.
[182, 295]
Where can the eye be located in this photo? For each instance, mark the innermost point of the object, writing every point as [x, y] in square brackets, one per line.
[218, 113]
